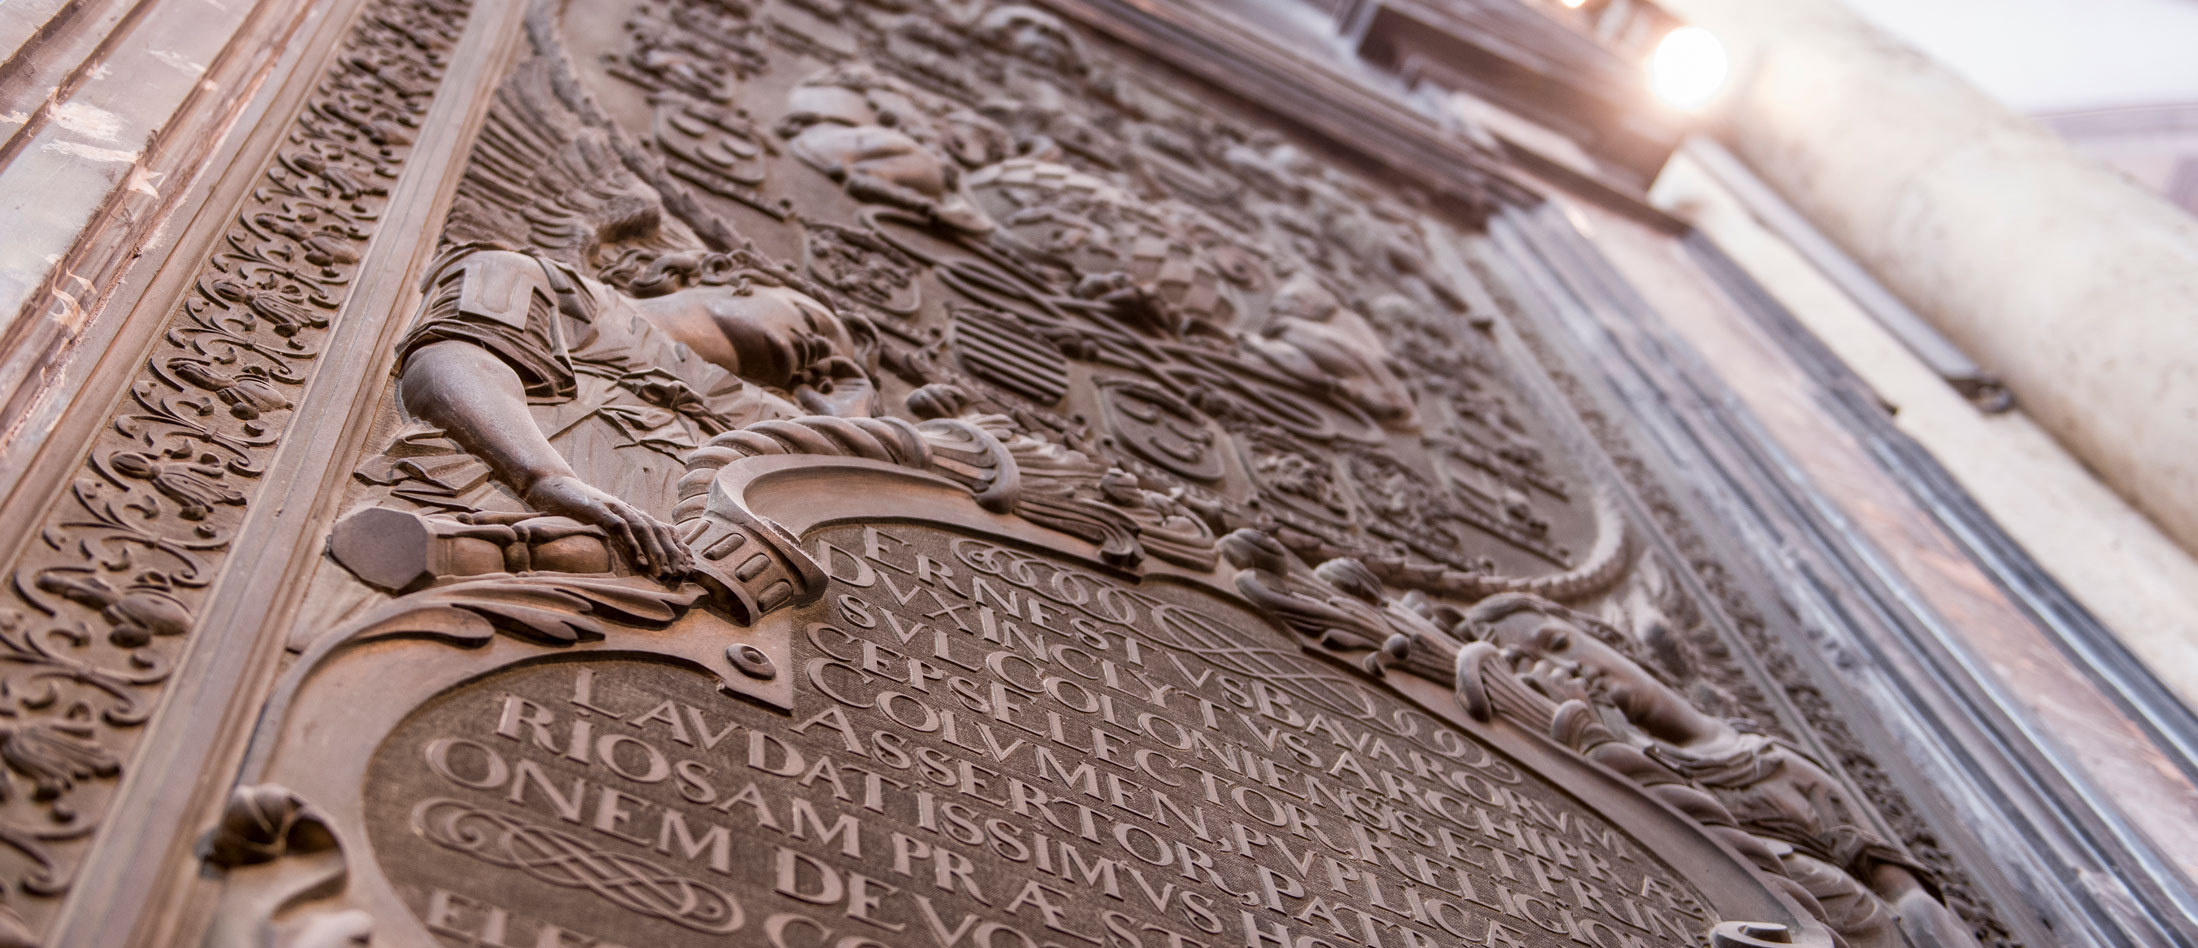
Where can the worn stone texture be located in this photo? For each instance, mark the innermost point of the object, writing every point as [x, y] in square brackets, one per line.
[870, 471]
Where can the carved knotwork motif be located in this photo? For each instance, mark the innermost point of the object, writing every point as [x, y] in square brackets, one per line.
[574, 862]
[96, 610]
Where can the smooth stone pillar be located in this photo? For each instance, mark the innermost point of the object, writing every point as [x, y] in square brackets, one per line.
[2078, 288]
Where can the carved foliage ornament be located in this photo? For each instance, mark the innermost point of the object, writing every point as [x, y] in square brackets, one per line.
[96, 610]
[953, 240]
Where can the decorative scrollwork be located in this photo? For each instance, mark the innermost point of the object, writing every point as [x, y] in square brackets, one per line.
[1106, 307]
[561, 859]
[93, 614]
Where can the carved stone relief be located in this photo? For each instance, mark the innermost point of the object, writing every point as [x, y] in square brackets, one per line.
[1741, 695]
[97, 609]
[815, 402]
[984, 737]
[1173, 297]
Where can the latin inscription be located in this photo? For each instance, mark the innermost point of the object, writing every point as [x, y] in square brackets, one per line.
[992, 749]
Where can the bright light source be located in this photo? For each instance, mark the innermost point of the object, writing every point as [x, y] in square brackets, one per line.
[1572, 4]
[1688, 67]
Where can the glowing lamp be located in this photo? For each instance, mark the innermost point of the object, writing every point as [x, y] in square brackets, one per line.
[1688, 67]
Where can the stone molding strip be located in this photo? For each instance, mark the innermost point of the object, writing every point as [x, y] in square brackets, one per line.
[217, 699]
[102, 609]
[124, 117]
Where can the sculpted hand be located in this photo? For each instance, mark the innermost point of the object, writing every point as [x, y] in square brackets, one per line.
[1561, 680]
[839, 387]
[651, 543]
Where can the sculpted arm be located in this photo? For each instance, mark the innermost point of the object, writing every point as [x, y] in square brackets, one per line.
[480, 402]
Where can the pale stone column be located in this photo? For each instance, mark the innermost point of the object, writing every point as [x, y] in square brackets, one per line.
[2075, 286]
